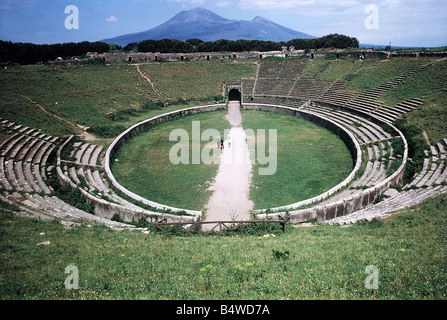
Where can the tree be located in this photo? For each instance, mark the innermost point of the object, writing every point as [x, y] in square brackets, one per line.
[194, 42]
[28, 53]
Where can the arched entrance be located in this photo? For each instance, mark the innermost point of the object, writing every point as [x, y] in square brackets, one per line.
[234, 95]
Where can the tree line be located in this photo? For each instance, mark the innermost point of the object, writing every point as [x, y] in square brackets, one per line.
[29, 53]
[196, 45]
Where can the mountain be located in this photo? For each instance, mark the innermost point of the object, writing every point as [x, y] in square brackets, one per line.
[200, 23]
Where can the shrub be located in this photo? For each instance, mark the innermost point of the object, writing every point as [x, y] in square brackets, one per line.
[280, 255]
[74, 197]
[374, 223]
[116, 218]
[393, 167]
[416, 146]
[398, 147]
[94, 61]
[150, 105]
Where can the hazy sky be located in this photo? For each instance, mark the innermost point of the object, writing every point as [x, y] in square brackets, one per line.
[401, 22]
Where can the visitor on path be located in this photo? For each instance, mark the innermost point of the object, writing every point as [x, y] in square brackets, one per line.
[221, 143]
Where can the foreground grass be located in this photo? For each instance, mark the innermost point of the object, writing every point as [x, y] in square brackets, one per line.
[324, 262]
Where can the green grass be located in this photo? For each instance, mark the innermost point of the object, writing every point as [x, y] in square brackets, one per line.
[144, 166]
[84, 94]
[430, 83]
[305, 160]
[80, 94]
[323, 262]
[196, 79]
[339, 69]
[374, 72]
[314, 68]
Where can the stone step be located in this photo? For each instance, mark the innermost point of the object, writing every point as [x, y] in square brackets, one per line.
[3, 179]
[390, 205]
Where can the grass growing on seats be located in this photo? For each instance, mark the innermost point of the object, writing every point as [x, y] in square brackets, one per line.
[196, 79]
[374, 72]
[80, 94]
[431, 83]
[323, 262]
[85, 94]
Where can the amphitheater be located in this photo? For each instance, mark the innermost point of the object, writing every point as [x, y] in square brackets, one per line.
[29, 157]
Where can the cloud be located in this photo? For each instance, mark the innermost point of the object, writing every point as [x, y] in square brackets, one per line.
[111, 19]
[218, 3]
[304, 7]
[194, 2]
[224, 3]
[14, 4]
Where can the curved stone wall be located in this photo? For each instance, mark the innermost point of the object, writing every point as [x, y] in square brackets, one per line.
[139, 127]
[108, 210]
[327, 211]
[344, 134]
[341, 207]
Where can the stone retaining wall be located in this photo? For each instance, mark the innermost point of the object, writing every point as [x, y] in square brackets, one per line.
[139, 127]
[338, 208]
[321, 212]
[149, 56]
[157, 56]
[349, 140]
[108, 210]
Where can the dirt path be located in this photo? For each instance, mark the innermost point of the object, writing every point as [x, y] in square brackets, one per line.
[148, 80]
[82, 130]
[230, 200]
[48, 112]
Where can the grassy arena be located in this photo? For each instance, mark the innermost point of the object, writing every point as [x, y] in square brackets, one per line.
[306, 154]
[143, 166]
[306, 157]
